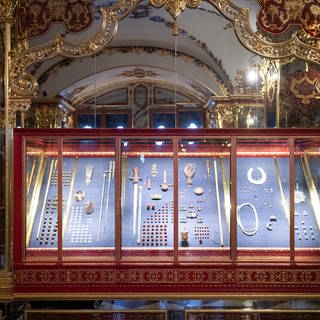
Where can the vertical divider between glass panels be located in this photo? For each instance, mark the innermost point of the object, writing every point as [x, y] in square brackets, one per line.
[233, 220]
[291, 195]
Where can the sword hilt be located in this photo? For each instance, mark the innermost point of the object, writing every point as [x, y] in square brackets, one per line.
[135, 177]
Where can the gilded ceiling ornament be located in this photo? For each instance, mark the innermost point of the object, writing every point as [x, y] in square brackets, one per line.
[175, 7]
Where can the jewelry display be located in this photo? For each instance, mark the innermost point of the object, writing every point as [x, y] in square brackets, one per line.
[260, 180]
[148, 203]
[88, 207]
[139, 213]
[248, 232]
[52, 165]
[189, 171]
[88, 171]
[79, 195]
[218, 201]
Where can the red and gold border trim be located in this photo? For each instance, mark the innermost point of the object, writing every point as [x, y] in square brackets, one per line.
[145, 279]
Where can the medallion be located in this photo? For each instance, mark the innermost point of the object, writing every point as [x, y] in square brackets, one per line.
[88, 207]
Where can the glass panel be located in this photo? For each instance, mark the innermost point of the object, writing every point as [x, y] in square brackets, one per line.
[204, 199]
[147, 199]
[88, 187]
[41, 194]
[117, 120]
[89, 121]
[163, 120]
[190, 119]
[306, 197]
[263, 196]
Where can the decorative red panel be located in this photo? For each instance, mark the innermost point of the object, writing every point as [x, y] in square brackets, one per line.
[275, 16]
[35, 17]
[170, 280]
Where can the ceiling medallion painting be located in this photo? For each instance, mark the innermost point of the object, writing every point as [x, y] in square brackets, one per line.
[36, 16]
[275, 16]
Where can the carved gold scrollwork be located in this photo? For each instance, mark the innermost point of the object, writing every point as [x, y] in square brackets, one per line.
[6, 9]
[25, 85]
[48, 117]
[15, 105]
[175, 7]
[225, 115]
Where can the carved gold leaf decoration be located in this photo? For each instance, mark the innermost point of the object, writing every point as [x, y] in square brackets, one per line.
[175, 7]
[6, 9]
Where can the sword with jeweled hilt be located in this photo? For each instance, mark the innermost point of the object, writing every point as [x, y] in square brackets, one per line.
[135, 179]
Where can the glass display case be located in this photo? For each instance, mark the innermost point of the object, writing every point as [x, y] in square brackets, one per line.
[166, 196]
